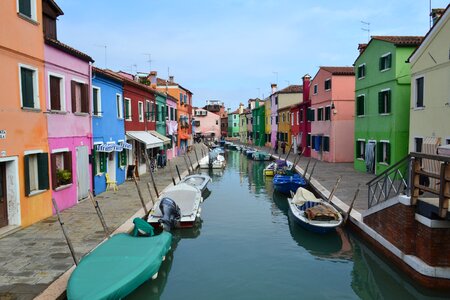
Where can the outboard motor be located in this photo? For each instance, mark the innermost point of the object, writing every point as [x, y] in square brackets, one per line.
[170, 213]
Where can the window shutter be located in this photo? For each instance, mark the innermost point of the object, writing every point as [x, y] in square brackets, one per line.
[388, 153]
[53, 171]
[68, 163]
[73, 96]
[25, 7]
[379, 152]
[26, 162]
[43, 171]
[103, 161]
[95, 101]
[388, 102]
[94, 161]
[27, 88]
[84, 98]
[388, 61]
[55, 97]
[380, 102]
[380, 63]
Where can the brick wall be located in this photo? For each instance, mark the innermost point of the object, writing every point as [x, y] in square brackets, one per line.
[397, 224]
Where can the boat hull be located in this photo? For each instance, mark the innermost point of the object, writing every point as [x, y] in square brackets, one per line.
[286, 184]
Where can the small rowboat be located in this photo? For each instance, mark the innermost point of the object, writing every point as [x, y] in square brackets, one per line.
[118, 266]
[286, 183]
[312, 213]
[278, 167]
[199, 181]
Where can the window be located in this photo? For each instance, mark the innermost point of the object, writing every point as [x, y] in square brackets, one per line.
[29, 87]
[173, 117]
[119, 106]
[360, 105]
[80, 97]
[361, 71]
[127, 109]
[292, 119]
[315, 89]
[36, 173]
[276, 119]
[167, 113]
[384, 102]
[360, 149]
[141, 111]
[100, 161]
[384, 152]
[419, 92]
[298, 118]
[217, 122]
[327, 113]
[313, 141]
[27, 8]
[148, 110]
[311, 113]
[385, 61]
[320, 114]
[234, 125]
[197, 123]
[56, 92]
[447, 141]
[326, 143]
[61, 166]
[185, 99]
[122, 161]
[301, 115]
[418, 141]
[308, 140]
[283, 117]
[276, 100]
[181, 98]
[96, 101]
[327, 84]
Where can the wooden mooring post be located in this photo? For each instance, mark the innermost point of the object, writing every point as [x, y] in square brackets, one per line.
[334, 188]
[171, 172]
[69, 243]
[140, 195]
[306, 169]
[178, 171]
[99, 213]
[351, 204]
[312, 171]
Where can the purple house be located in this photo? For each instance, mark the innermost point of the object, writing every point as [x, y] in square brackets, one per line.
[68, 84]
[274, 114]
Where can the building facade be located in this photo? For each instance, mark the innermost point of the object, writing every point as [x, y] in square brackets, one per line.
[259, 122]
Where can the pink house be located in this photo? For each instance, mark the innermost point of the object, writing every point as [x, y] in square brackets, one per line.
[171, 125]
[332, 110]
[206, 122]
[68, 88]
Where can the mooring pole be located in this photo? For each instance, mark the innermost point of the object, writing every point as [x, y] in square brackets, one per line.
[151, 195]
[140, 195]
[289, 152]
[151, 173]
[351, 204]
[334, 188]
[198, 163]
[99, 213]
[178, 171]
[306, 169]
[69, 243]
[187, 165]
[171, 172]
[190, 163]
[312, 171]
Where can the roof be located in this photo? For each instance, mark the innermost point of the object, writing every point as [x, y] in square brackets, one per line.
[107, 73]
[137, 84]
[400, 41]
[162, 82]
[346, 71]
[65, 48]
[292, 89]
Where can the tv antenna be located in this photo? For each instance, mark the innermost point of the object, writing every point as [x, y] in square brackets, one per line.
[149, 61]
[366, 28]
[104, 46]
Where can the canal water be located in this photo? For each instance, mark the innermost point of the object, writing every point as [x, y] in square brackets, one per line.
[248, 247]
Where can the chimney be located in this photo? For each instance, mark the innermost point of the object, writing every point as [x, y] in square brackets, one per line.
[171, 79]
[436, 14]
[306, 87]
[274, 88]
[152, 79]
[362, 47]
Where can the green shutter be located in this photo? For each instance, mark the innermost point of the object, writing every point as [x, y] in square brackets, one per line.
[42, 159]
[380, 63]
[95, 100]
[27, 88]
[380, 152]
[388, 61]
[103, 161]
[380, 102]
[25, 7]
[388, 153]
[26, 174]
[388, 102]
[123, 157]
[94, 161]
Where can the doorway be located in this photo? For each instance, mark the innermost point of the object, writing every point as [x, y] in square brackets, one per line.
[82, 171]
[3, 198]
[370, 156]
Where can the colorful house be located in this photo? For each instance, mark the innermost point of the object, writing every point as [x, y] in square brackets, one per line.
[109, 150]
[233, 121]
[273, 115]
[171, 126]
[139, 113]
[224, 124]
[25, 195]
[382, 93]
[68, 85]
[284, 127]
[184, 109]
[259, 122]
[333, 103]
[301, 126]
[268, 122]
[206, 123]
[430, 94]
[243, 126]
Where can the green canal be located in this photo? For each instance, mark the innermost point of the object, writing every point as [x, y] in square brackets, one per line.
[248, 247]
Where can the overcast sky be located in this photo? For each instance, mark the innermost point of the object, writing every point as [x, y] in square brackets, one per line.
[232, 50]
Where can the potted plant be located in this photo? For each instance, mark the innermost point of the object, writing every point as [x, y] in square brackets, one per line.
[64, 177]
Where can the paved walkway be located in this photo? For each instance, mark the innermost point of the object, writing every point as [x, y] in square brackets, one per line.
[32, 258]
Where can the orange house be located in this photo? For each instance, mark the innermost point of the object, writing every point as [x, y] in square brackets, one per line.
[184, 109]
[25, 197]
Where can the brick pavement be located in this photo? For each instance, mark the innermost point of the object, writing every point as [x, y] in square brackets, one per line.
[32, 258]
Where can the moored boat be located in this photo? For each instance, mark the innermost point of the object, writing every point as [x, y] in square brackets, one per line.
[119, 265]
[261, 155]
[212, 163]
[278, 167]
[288, 183]
[199, 181]
[312, 213]
[187, 198]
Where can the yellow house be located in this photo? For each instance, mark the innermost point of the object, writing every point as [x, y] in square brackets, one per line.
[430, 88]
[284, 127]
[267, 122]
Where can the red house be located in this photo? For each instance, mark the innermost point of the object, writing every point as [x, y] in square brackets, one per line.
[301, 128]
[139, 113]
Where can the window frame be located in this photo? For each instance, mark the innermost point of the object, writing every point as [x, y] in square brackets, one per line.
[327, 108]
[385, 152]
[417, 138]
[62, 92]
[416, 91]
[327, 80]
[42, 184]
[315, 89]
[67, 154]
[320, 116]
[326, 138]
[35, 81]
[33, 11]
[383, 59]
[99, 101]
[364, 105]
[358, 155]
[119, 106]
[141, 111]
[363, 68]
[127, 105]
[387, 110]
[84, 92]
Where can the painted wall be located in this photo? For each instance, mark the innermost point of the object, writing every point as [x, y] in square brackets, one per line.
[208, 123]
[284, 127]
[273, 114]
[172, 127]
[108, 127]
[289, 99]
[259, 122]
[392, 127]
[432, 120]
[21, 42]
[137, 95]
[267, 123]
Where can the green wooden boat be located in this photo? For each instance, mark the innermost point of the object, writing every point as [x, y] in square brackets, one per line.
[118, 266]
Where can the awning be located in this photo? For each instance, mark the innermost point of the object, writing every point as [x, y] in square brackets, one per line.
[163, 138]
[146, 138]
[125, 145]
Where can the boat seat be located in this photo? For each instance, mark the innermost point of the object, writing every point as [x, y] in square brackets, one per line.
[142, 228]
[111, 183]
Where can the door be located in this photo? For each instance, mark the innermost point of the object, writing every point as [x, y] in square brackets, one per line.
[3, 202]
[370, 157]
[112, 165]
[82, 171]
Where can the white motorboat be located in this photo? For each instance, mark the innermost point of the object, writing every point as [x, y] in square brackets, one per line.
[212, 162]
[187, 198]
[200, 181]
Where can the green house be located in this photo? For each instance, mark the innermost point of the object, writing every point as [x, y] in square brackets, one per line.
[259, 116]
[382, 94]
[233, 122]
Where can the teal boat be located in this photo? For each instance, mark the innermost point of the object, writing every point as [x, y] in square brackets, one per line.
[119, 265]
[261, 155]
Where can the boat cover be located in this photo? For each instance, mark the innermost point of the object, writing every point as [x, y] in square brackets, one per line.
[302, 195]
[321, 212]
[118, 266]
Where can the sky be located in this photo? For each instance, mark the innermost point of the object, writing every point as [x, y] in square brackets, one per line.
[233, 50]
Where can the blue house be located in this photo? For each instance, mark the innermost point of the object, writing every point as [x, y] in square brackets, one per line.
[109, 161]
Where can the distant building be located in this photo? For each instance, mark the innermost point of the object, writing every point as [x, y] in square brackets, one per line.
[206, 123]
